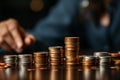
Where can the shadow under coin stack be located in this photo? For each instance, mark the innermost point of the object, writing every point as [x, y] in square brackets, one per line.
[40, 59]
[89, 60]
[80, 59]
[25, 60]
[55, 56]
[71, 50]
[10, 60]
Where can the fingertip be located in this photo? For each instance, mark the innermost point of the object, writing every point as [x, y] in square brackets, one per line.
[27, 41]
[30, 39]
[19, 44]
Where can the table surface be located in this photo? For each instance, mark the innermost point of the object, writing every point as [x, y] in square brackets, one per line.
[61, 73]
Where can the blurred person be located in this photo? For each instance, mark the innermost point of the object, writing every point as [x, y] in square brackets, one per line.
[97, 25]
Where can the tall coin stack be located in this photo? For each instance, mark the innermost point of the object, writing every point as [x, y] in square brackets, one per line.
[71, 50]
[10, 59]
[55, 56]
[40, 59]
[25, 60]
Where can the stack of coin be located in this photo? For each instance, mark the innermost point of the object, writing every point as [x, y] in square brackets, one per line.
[10, 60]
[105, 60]
[41, 59]
[55, 55]
[71, 50]
[115, 58]
[89, 60]
[99, 54]
[25, 59]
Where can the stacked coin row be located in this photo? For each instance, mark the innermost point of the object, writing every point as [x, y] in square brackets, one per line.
[41, 59]
[71, 50]
[56, 55]
[21, 60]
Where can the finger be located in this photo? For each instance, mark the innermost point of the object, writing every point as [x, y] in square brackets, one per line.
[10, 41]
[14, 30]
[5, 46]
[30, 39]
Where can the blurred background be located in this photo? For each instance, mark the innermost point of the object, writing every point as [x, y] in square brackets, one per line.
[27, 12]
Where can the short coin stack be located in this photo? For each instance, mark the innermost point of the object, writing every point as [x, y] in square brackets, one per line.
[25, 59]
[41, 59]
[71, 50]
[105, 60]
[89, 60]
[55, 56]
[10, 60]
[115, 58]
[102, 55]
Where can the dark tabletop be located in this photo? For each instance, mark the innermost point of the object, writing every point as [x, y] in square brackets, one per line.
[60, 73]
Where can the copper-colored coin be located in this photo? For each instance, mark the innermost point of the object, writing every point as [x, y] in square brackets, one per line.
[72, 45]
[54, 49]
[117, 62]
[2, 67]
[72, 49]
[54, 55]
[40, 54]
[40, 65]
[55, 63]
[114, 55]
[71, 39]
[2, 64]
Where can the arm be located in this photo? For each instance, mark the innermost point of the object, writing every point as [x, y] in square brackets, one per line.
[57, 23]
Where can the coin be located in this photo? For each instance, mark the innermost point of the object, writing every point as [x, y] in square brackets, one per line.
[98, 54]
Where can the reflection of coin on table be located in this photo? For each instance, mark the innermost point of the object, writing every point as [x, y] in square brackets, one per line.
[36, 5]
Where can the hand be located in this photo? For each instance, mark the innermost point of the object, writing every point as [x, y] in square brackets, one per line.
[13, 37]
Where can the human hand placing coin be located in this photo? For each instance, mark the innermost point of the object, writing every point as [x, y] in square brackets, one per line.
[13, 37]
